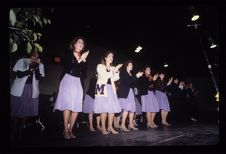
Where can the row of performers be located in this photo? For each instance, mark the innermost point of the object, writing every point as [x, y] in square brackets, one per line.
[103, 98]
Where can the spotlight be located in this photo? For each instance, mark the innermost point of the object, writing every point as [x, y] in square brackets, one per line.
[195, 15]
[166, 65]
[212, 43]
[138, 49]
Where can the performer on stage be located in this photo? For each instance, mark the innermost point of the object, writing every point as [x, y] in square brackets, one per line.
[162, 97]
[25, 90]
[148, 99]
[126, 95]
[69, 99]
[106, 100]
[88, 104]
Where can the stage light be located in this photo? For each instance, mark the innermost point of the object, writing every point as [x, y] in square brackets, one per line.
[194, 14]
[195, 17]
[166, 65]
[212, 43]
[138, 49]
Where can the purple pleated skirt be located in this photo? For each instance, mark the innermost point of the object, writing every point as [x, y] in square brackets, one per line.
[138, 107]
[24, 106]
[70, 94]
[149, 102]
[128, 104]
[108, 104]
[162, 100]
[88, 104]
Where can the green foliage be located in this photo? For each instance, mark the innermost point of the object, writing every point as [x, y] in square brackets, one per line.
[25, 25]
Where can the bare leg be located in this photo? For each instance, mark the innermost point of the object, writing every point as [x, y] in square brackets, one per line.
[134, 119]
[91, 122]
[152, 118]
[164, 116]
[123, 123]
[98, 123]
[103, 123]
[66, 115]
[131, 115]
[116, 121]
[149, 123]
[110, 122]
[73, 118]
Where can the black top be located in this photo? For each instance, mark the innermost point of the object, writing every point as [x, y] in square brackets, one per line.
[145, 85]
[72, 67]
[126, 82]
[173, 90]
[21, 74]
[92, 86]
[161, 85]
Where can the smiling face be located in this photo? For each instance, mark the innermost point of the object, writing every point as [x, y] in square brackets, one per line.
[147, 71]
[109, 58]
[130, 67]
[79, 45]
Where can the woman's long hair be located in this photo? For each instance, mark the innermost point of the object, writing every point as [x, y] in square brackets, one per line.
[103, 61]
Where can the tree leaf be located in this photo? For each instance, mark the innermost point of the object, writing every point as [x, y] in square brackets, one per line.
[39, 47]
[29, 47]
[49, 21]
[14, 47]
[45, 21]
[12, 17]
[39, 35]
[35, 37]
[35, 17]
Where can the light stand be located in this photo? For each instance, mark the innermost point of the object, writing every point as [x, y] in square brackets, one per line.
[204, 51]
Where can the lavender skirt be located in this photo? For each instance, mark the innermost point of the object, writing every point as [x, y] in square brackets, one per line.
[70, 94]
[162, 100]
[149, 102]
[128, 104]
[109, 103]
[88, 104]
[24, 106]
[138, 107]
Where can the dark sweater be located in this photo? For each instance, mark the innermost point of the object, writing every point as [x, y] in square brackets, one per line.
[21, 74]
[145, 85]
[126, 82]
[92, 86]
[72, 67]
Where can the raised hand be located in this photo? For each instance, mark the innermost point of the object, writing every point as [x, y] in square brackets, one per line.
[117, 67]
[84, 56]
[155, 77]
[139, 74]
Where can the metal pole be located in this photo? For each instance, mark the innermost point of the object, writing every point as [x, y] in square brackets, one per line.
[209, 66]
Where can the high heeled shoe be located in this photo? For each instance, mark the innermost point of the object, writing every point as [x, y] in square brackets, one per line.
[72, 135]
[99, 128]
[150, 126]
[132, 127]
[124, 129]
[156, 126]
[111, 130]
[66, 135]
[165, 124]
[134, 122]
[104, 132]
[92, 129]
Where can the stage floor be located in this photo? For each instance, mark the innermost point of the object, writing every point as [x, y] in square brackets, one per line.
[176, 134]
